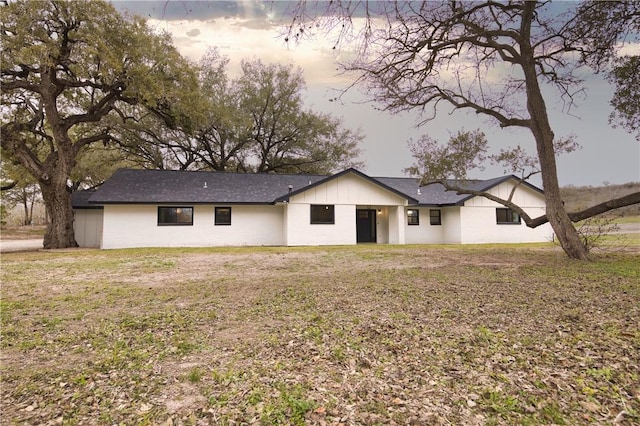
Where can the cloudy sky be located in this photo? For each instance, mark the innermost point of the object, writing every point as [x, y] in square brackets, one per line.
[251, 29]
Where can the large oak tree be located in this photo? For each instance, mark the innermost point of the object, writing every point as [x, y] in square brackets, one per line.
[69, 71]
[256, 122]
[492, 58]
[284, 136]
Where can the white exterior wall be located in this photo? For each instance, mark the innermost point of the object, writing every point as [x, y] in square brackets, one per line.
[451, 225]
[397, 220]
[345, 193]
[480, 227]
[478, 217]
[137, 226]
[425, 233]
[87, 226]
[300, 231]
[382, 225]
[122, 226]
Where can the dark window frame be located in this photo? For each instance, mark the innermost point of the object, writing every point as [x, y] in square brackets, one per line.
[506, 216]
[162, 217]
[438, 217]
[413, 220]
[219, 219]
[322, 214]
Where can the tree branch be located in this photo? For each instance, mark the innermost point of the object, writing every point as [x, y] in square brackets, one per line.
[507, 203]
[604, 207]
[9, 186]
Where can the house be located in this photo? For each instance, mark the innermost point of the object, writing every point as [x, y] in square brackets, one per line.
[160, 208]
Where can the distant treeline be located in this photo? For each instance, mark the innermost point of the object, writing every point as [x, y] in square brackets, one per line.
[578, 198]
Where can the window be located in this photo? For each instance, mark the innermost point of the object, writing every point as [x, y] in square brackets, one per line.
[507, 216]
[223, 216]
[175, 216]
[413, 217]
[322, 214]
[435, 217]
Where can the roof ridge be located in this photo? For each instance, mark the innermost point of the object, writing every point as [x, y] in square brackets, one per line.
[223, 172]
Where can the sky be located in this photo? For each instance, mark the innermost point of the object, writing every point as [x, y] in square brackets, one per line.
[253, 29]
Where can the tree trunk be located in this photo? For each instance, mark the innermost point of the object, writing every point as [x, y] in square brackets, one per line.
[541, 128]
[559, 219]
[33, 201]
[57, 199]
[25, 204]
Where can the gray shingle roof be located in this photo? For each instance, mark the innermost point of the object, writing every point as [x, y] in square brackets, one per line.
[129, 186]
[80, 200]
[435, 194]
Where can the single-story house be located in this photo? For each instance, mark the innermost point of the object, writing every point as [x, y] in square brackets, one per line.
[161, 208]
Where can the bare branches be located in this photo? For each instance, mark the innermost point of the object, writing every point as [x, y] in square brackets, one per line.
[461, 188]
[604, 207]
[492, 58]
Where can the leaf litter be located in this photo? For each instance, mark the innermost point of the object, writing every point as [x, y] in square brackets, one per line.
[321, 336]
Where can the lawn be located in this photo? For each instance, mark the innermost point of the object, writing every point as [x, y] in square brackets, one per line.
[502, 335]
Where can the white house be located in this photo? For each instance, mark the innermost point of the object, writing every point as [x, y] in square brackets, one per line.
[160, 208]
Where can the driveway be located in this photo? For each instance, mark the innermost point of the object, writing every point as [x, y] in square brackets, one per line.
[20, 245]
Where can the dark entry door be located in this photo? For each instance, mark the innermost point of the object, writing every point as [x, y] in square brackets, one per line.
[366, 226]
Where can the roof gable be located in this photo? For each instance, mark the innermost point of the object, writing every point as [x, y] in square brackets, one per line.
[358, 173]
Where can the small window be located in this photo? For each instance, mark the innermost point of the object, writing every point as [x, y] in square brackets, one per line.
[223, 216]
[435, 217]
[323, 214]
[413, 217]
[175, 216]
[507, 216]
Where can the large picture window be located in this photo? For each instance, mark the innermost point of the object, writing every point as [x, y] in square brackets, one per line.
[507, 217]
[223, 216]
[323, 214]
[168, 216]
[413, 217]
[435, 217]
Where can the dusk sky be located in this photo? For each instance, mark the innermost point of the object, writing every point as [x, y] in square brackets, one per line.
[252, 29]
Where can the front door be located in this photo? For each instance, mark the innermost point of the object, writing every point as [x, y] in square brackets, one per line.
[366, 226]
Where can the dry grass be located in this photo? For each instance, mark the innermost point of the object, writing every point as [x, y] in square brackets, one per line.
[578, 198]
[348, 335]
[22, 232]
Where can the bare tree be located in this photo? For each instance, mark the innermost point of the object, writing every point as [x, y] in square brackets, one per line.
[492, 58]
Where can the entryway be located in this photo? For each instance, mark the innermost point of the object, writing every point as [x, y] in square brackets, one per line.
[366, 225]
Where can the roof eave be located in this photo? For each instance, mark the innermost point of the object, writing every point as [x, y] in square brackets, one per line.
[173, 203]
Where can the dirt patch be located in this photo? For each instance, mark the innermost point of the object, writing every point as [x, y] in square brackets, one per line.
[346, 335]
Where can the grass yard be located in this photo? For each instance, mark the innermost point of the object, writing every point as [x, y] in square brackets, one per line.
[425, 335]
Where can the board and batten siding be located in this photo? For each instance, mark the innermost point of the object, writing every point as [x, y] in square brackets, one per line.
[346, 193]
[478, 218]
[128, 226]
[348, 189]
